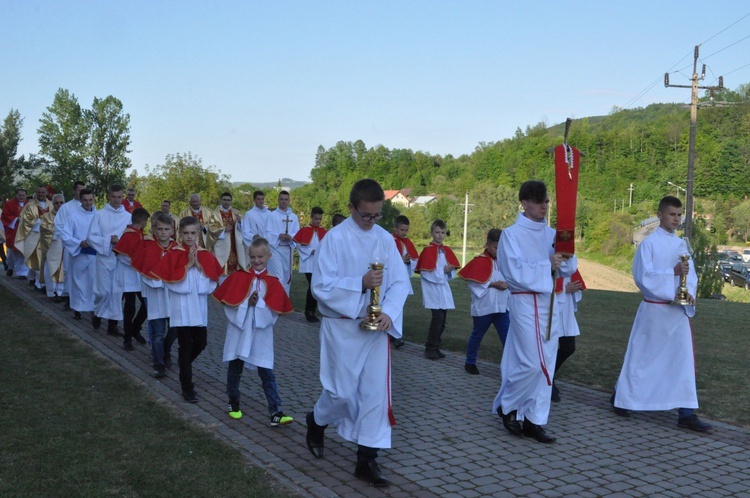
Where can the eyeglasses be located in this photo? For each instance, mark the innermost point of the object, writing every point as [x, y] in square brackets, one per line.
[373, 217]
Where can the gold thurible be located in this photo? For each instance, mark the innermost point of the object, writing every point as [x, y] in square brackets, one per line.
[374, 309]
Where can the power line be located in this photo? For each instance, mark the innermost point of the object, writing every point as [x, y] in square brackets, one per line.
[730, 45]
[648, 88]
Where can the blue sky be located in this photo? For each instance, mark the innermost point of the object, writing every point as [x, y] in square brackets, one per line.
[253, 88]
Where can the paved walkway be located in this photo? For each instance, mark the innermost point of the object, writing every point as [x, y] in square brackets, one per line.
[446, 443]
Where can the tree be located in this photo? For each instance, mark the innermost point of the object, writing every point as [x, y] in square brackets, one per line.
[180, 176]
[10, 137]
[109, 136]
[63, 136]
[741, 216]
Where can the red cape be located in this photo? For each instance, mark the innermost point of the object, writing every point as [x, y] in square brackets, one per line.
[428, 259]
[479, 269]
[576, 277]
[128, 208]
[11, 211]
[173, 266]
[236, 288]
[130, 242]
[305, 234]
[401, 242]
[149, 253]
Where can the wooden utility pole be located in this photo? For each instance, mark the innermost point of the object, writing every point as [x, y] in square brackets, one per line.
[693, 125]
[630, 202]
[466, 226]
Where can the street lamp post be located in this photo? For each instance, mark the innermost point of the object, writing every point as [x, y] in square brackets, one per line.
[678, 188]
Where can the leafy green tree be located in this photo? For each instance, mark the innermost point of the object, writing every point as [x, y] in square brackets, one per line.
[741, 216]
[704, 260]
[10, 137]
[109, 136]
[180, 176]
[63, 136]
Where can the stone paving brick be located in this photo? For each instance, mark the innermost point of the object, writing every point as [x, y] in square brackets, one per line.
[439, 440]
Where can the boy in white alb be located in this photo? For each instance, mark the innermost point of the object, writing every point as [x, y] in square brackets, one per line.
[437, 265]
[658, 372]
[308, 239]
[253, 300]
[190, 273]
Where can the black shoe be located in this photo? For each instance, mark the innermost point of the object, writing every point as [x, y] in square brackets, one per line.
[167, 361]
[311, 317]
[77, 315]
[431, 354]
[399, 343]
[555, 394]
[509, 422]
[535, 431]
[440, 354]
[96, 322]
[315, 436]
[112, 329]
[159, 372]
[128, 346]
[139, 338]
[9, 272]
[693, 423]
[368, 470]
[190, 396]
[31, 282]
[622, 412]
[471, 368]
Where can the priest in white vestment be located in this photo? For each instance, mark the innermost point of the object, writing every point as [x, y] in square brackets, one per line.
[658, 372]
[255, 219]
[355, 363]
[282, 224]
[81, 272]
[528, 262]
[108, 226]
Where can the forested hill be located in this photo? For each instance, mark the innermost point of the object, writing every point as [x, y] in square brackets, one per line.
[647, 147]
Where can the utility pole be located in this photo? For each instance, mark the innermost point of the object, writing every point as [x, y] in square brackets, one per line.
[693, 125]
[630, 203]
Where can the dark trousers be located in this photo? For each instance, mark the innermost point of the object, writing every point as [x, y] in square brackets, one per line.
[191, 341]
[310, 302]
[566, 347]
[437, 326]
[366, 453]
[267, 380]
[132, 323]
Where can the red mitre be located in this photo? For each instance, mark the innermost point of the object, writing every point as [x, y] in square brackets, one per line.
[149, 253]
[479, 269]
[130, 242]
[173, 266]
[428, 259]
[576, 277]
[304, 235]
[402, 242]
[237, 287]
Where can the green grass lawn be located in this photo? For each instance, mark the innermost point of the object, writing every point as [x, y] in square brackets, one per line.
[74, 425]
[720, 330]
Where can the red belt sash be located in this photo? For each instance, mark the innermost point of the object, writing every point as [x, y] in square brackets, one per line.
[539, 346]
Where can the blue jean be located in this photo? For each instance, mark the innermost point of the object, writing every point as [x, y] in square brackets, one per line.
[267, 379]
[501, 321]
[161, 338]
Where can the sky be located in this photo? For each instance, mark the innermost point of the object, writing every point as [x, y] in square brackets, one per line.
[253, 88]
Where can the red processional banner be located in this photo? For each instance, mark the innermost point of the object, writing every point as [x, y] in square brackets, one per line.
[567, 166]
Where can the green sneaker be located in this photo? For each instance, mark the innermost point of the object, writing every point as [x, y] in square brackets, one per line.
[234, 409]
[279, 418]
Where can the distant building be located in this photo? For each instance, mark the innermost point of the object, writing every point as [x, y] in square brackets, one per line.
[400, 197]
[423, 200]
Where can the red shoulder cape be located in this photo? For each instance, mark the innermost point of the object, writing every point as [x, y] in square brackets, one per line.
[172, 267]
[130, 242]
[129, 208]
[576, 277]
[401, 242]
[428, 259]
[236, 288]
[479, 269]
[305, 234]
[149, 253]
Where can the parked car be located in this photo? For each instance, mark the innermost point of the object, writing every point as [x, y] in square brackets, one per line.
[746, 255]
[739, 275]
[731, 256]
[723, 268]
